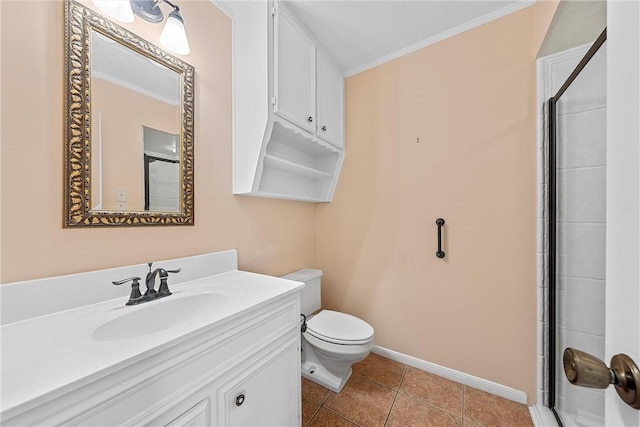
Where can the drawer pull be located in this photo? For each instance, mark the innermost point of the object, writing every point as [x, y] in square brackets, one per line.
[240, 400]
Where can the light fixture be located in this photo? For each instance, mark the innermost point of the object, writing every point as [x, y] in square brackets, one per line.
[173, 35]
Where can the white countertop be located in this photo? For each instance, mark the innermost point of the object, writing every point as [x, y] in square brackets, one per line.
[47, 356]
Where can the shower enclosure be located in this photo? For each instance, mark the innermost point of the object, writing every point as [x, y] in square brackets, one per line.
[576, 230]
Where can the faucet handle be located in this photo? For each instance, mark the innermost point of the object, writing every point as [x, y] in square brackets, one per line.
[136, 296]
[164, 287]
[123, 281]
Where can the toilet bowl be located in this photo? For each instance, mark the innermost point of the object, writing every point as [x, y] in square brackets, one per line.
[331, 341]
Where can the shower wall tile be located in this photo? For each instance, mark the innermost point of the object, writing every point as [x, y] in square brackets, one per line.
[544, 238]
[543, 302]
[540, 239]
[543, 379]
[585, 406]
[579, 105]
[589, 343]
[560, 72]
[541, 339]
[582, 305]
[543, 197]
[581, 250]
[542, 329]
[545, 268]
[587, 92]
[542, 396]
[583, 195]
[581, 228]
[540, 366]
[582, 139]
[542, 172]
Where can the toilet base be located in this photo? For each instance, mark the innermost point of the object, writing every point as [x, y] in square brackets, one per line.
[320, 375]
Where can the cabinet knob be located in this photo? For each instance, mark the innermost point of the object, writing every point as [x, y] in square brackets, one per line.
[324, 128]
[240, 400]
[310, 119]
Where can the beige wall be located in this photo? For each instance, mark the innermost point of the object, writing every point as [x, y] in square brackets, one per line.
[122, 140]
[470, 100]
[271, 236]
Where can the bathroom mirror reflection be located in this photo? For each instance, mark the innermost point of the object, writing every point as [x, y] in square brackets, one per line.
[129, 127]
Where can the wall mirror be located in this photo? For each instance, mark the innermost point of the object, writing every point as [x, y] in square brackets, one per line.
[129, 127]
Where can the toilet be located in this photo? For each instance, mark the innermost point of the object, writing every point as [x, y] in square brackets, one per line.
[332, 341]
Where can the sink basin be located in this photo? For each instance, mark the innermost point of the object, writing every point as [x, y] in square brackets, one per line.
[160, 315]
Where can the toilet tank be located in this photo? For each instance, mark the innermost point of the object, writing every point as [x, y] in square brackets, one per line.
[310, 296]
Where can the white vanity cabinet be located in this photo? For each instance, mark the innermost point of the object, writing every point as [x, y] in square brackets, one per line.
[263, 393]
[259, 392]
[247, 375]
[288, 107]
[244, 370]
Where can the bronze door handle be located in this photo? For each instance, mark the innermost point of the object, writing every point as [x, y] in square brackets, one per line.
[585, 370]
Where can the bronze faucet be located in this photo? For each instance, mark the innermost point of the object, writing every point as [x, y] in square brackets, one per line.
[150, 294]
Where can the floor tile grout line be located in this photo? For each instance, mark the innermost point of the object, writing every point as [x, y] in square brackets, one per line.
[464, 393]
[404, 373]
[421, 400]
[395, 397]
[424, 402]
[313, 416]
[386, 420]
[342, 416]
[364, 378]
[376, 382]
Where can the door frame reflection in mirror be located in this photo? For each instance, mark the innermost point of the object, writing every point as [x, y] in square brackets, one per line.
[80, 22]
[160, 155]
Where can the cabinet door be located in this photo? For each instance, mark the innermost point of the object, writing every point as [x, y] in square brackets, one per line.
[266, 393]
[294, 72]
[330, 93]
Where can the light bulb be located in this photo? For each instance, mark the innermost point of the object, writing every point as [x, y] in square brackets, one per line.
[174, 36]
[116, 9]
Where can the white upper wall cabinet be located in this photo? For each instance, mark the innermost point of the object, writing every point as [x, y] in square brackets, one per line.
[330, 98]
[288, 108]
[294, 73]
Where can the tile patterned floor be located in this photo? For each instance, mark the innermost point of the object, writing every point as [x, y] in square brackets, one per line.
[383, 392]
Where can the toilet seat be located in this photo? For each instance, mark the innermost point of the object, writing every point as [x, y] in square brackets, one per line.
[339, 328]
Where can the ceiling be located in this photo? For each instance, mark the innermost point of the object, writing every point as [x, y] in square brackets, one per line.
[360, 34]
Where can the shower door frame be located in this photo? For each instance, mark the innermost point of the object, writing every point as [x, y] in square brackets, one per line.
[551, 225]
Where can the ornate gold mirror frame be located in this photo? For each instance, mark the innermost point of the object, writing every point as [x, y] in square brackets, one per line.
[79, 23]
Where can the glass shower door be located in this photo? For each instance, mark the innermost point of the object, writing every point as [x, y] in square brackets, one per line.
[577, 215]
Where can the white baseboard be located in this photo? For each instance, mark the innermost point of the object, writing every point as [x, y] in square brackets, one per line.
[453, 375]
[542, 416]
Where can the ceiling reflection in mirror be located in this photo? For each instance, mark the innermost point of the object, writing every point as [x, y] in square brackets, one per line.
[134, 137]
